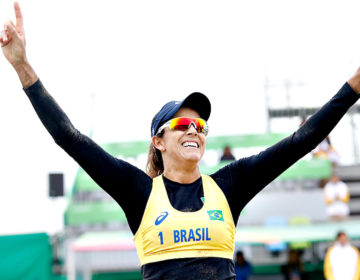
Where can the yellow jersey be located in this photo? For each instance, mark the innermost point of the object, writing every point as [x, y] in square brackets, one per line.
[166, 233]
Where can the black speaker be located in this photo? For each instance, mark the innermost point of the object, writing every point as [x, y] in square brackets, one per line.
[56, 184]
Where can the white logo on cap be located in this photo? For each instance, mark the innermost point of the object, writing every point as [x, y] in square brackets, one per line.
[177, 102]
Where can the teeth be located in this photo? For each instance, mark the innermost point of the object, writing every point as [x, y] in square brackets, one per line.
[190, 144]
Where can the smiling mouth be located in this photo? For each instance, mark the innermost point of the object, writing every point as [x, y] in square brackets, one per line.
[190, 145]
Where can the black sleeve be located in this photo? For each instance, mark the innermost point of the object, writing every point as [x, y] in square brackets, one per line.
[127, 184]
[243, 179]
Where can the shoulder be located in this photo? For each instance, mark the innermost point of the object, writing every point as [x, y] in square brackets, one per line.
[355, 249]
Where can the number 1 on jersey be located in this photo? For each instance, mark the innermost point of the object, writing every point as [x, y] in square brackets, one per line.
[161, 238]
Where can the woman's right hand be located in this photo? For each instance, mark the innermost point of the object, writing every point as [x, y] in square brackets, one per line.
[12, 40]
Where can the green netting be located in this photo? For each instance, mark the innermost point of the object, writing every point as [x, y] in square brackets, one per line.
[302, 169]
[127, 149]
[93, 213]
[308, 169]
[26, 257]
[96, 212]
[101, 212]
[243, 141]
[84, 183]
[132, 149]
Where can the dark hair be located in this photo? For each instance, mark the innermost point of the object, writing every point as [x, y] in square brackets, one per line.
[340, 233]
[239, 253]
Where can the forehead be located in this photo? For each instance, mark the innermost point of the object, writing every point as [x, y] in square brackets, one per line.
[186, 112]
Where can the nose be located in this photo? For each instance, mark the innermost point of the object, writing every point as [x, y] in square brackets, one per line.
[192, 129]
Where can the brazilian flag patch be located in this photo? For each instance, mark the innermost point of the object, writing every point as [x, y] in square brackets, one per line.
[216, 215]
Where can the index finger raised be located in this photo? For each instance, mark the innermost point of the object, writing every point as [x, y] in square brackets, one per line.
[19, 18]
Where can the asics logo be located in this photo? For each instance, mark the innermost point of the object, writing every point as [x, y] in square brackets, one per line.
[161, 218]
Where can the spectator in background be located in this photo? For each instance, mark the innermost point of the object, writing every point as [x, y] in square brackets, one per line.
[337, 196]
[342, 261]
[227, 155]
[294, 268]
[243, 268]
[326, 151]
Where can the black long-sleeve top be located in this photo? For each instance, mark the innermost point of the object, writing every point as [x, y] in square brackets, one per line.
[240, 180]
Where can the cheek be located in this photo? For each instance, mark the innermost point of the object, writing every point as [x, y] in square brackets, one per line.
[203, 140]
[172, 139]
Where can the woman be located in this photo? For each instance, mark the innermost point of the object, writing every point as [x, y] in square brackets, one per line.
[183, 222]
[342, 259]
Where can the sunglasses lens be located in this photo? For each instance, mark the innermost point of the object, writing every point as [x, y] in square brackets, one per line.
[180, 123]
[184, 123]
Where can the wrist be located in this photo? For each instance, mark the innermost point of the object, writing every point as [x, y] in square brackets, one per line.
[354, 81]
[26, 74]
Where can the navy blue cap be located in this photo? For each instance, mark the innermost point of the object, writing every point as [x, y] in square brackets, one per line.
[196, 101]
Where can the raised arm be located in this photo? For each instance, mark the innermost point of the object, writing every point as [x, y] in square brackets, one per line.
[124, 182]
[250, 175]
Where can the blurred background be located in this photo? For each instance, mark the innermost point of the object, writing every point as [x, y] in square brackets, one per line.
[265, 65]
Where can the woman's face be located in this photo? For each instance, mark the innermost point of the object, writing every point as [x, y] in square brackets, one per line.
[343, 239]
[180, 147]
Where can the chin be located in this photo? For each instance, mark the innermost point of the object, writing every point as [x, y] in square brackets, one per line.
[193, 158]
[191, 155]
